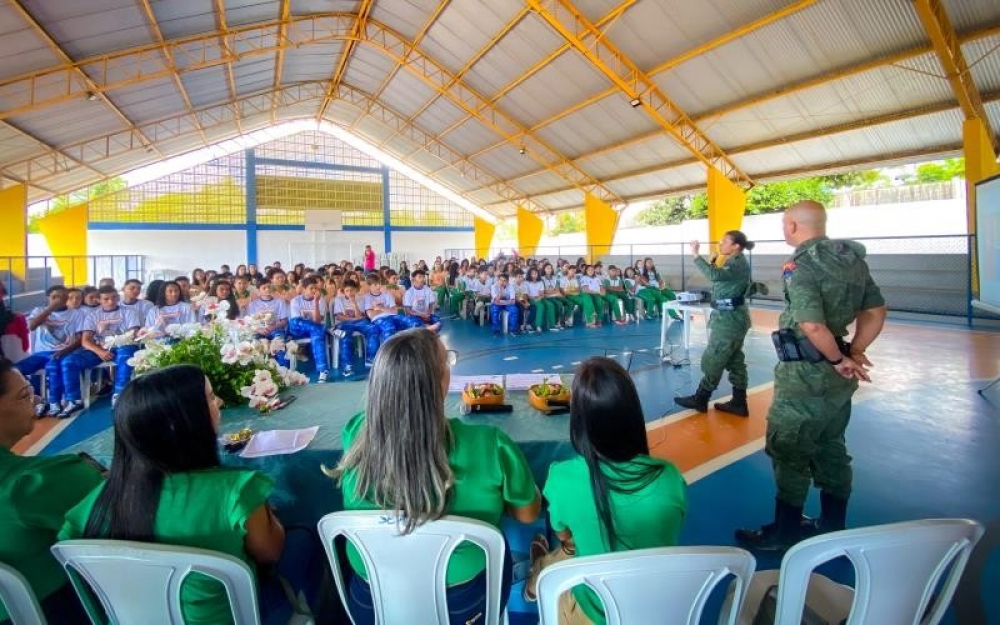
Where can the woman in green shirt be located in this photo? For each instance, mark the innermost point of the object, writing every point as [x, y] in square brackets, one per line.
[166, 485]
[35, 494]
[612, 496]
[403, 454]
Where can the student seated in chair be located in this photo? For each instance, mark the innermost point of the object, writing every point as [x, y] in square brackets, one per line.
[170, 309]
[166, 485]
[307, 319]
[612, 496]
[35, 494]
[382, 311]
[420, 302]
[99, 329]
[403, 454]
[55, 334]
[349, 313]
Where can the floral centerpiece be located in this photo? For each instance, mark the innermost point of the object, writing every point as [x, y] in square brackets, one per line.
[240, 364]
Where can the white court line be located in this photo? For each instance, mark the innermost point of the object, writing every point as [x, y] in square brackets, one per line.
[510, 358]
[723, 461]
[575, 363]
[48, 437]
[538, 370]
[557, 366]
[684, 414]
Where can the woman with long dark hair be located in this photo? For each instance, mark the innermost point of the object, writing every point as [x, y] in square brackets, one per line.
[35, 494]
[166, 485]
[403, 454]
[222, 291]
[612, 496]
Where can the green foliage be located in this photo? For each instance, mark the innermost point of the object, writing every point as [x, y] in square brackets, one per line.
[855, 179]
[62, 202]
[666, 212]
[203, 350]
[941, 171]
[776, 196]
[571, 221]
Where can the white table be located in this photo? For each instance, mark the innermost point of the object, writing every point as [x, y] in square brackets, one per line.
[687, 311]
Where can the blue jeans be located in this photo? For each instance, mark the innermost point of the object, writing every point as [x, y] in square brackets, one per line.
[53, 373]
[413, 321]
[304, 565]
[365, 328]
[466, 602]
[299, 328]
[82, 359]
[386, 326]
[513, 310]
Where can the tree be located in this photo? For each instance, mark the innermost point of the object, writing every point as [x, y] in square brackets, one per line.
[666, 212]
[62, 202]
[571, 221]
[855, 179]
[941, 171]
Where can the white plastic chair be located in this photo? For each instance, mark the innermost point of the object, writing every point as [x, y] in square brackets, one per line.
[19, 599]
[672, 583]
[86, 379]
[141, 582]
[897, 567]
[404, 572]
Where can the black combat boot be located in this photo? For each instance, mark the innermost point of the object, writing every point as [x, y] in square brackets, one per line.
[737, 405]
[833, 516]
[777, 536]
[698, 401]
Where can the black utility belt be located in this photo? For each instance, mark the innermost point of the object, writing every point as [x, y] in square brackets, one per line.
[731, 303]
[792, 348]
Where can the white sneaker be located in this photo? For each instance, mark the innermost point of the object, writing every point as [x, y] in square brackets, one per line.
[321, 378]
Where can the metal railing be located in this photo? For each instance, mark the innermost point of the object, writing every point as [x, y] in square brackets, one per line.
[929, 274]
[26, 277]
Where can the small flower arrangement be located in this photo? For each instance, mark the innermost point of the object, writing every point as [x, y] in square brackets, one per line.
[240, 365]
[121, 340]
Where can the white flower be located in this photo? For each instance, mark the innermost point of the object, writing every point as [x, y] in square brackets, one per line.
[222, 305]
[277, 346]
[261, 376]
[291, 347]
[229, 354]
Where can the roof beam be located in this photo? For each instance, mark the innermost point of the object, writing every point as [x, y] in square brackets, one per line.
[154, 26]
[435, 14]
[563, 16]
[220, 18]
[949, 51]
[74, 73]
[279, 60]
[494, 40]
[605, 21]
[345, 55]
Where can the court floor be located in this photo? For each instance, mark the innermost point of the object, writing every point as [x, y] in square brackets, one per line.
[924, 441]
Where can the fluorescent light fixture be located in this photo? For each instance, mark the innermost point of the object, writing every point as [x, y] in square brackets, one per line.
[635, 102]
[521, 151]
[91, 96]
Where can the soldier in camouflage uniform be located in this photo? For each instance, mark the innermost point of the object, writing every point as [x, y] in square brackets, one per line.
[827, 286]
[728, 326]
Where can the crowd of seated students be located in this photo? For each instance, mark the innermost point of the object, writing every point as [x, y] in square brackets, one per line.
[166, 485]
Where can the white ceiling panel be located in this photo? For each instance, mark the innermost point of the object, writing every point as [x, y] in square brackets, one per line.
[182, 19]
[569, 78]
[206, 86]
[68, 123]
[471, 137]
[149, 101]
[440, 115]
[367, 69]
[525, 45]
[313, 62]
[465, 28]
[85, 29]
[603, 123]
[406, 93]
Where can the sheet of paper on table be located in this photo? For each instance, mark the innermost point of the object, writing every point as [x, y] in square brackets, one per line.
[278, 442]
[458, 382]
[523, 381]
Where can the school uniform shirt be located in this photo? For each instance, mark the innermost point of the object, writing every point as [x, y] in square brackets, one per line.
[419, 300]
[472, 285]
[354, 309]
[491, 473]
[35, 495]
[651, 517]
[302, 308]
[551, 284]
[590, 284]
[614, 282]
[382, 300]
[506, 292]
[276, 306]
[520, 290]
[534, 289]
[179, 313]
[206, 509]
[58, 330]
[485, 288]
[653, 280]
[633, 284]
[140, 308]
[570, 285]
[105, 323]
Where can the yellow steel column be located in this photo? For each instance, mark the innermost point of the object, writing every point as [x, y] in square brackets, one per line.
[66, 234]
[726, 204]
[529, 231]
[484, 236]
[601, 223]
[14, 238]
[980, 163]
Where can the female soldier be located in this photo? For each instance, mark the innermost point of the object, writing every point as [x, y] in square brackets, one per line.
[728, 326]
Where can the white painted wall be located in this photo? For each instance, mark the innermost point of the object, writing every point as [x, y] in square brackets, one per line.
[312, 248]
[173, 251]
[427, 245]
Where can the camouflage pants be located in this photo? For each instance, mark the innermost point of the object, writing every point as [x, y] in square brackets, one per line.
[727, 329]
[805, 430]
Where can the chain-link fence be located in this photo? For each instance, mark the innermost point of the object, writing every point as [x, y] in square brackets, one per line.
[928, 274]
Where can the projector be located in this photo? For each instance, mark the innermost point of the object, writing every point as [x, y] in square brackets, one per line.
[687, 297]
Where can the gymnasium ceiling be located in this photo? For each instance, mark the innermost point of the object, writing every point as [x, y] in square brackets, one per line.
[506, 102]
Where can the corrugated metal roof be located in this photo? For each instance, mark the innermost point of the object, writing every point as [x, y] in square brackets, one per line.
[769, 124]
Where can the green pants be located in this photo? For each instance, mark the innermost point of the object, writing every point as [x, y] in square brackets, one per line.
[560, 305]
[612, 299]
[653, 300]
[805, 430]
[545, 312]
[726, 331]
[442, 292]
[586, 302]
[457, 297]
[669, 296]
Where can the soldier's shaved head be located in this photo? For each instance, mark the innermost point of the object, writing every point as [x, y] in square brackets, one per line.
[803, 221]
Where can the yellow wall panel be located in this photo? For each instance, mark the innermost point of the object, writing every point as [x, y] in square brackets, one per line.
[484, 236]
[602, 223]
[66, 234]
[980, 163]
[726, 205]
[529, 231]
[14, 235]
[301, 193]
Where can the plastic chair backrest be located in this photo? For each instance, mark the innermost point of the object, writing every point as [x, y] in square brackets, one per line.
[898, 567]
[672, 583]
[19, 599]
[141, 582]
[404, 571]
